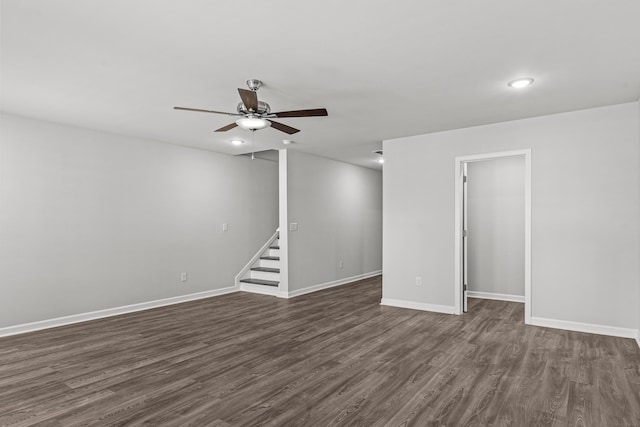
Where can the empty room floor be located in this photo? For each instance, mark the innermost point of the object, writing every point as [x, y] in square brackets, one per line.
[334, 357]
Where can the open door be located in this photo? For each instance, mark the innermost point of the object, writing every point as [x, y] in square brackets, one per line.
[464, 219]
[465, 272]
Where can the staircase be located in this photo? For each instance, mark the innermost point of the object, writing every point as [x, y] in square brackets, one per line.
[263, 272]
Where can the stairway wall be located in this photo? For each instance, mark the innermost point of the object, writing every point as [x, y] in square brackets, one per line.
[338, 210]
[92, 221]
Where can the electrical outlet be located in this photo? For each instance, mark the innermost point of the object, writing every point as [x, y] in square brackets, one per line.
[183, 277]
[225, 227]
[340, 264]
[293, 226]
[418, 280]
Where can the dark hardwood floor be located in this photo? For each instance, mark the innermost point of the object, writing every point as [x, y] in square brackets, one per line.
[334, 357]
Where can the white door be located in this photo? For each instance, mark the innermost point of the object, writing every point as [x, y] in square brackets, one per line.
[465, 237]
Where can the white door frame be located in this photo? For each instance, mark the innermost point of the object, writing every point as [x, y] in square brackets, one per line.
[459, 161]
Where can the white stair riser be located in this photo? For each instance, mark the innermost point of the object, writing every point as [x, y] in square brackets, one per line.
[269, 263]
[264, 275]
[259, 289]
[274, 252]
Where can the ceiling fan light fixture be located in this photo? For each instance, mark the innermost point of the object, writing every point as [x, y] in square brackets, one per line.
[520, 83]
[253, 123]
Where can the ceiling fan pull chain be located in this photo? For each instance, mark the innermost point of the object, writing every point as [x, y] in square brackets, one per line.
[253, 137]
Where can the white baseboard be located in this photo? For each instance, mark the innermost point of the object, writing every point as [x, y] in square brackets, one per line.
[638, 338]
[497, 297]
[109, 312]
[322, 286]
[446, 309]
[585, 327]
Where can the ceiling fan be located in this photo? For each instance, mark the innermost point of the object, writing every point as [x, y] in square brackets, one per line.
[255, 115]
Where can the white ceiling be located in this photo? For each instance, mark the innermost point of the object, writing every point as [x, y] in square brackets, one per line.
[382, 69]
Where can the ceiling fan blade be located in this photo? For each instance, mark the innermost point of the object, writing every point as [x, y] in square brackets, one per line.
[302, 113]
[227, 127]
[284, 128]
[205, 111]
[249, 99]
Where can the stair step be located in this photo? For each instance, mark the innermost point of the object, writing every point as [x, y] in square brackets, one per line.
[270, 258]
[260, 282]
[268, 263]
[272, 252]
[266, 269]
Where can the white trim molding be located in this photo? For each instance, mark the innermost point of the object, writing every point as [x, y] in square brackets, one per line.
[446, 309]
[589, 328]
[322, 286]
[283, 219]
[109, 312]
[638, 338]
[459, 162]
[497, 297]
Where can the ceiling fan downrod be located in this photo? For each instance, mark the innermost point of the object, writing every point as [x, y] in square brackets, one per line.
[254, 84]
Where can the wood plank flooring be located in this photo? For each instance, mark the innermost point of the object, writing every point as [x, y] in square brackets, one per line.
[334, 357]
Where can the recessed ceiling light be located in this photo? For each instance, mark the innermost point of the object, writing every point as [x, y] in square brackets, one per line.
[237, 141]
[520, 83]
[381, 160]
[286, 141]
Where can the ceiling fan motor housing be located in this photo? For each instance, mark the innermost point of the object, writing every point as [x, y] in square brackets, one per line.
[263, 108]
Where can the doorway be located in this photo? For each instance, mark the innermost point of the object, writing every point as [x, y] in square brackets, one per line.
[462, 245]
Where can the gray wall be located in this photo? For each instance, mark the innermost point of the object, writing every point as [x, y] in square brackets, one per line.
[585, 209]
[338, 208]
[90, 220]
[496, 226]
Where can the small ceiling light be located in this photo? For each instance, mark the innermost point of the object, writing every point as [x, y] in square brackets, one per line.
[520, 83]
[286, 141]
[253, 123]
[237, 141]
[379, 159]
